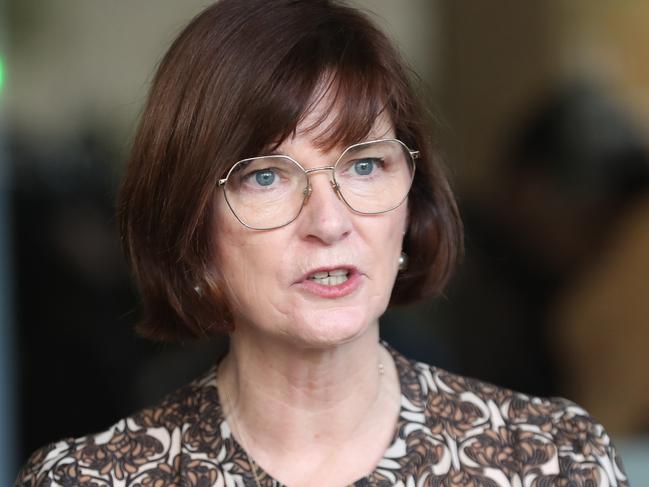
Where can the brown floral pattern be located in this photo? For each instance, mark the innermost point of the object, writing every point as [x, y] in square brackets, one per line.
[452, 431]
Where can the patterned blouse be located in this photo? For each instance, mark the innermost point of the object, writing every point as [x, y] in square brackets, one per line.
[451, 431]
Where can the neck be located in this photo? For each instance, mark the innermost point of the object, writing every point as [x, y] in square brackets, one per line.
[282, 400]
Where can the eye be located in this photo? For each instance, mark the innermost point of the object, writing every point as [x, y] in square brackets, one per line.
[364, 167]
[264, 177]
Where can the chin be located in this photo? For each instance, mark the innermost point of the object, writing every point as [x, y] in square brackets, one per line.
[328, 328]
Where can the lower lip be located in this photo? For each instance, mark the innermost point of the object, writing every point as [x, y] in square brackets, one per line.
[343, 289]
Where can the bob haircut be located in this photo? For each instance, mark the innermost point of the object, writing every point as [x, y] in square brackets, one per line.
[238, 80]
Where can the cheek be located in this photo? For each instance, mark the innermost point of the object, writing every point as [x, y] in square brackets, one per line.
[392, 246]
[385, 240]
[250, 263]
[241, 266]
[392, 232]
[231, 256]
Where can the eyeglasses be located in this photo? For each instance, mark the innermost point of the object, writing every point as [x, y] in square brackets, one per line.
[269, 192]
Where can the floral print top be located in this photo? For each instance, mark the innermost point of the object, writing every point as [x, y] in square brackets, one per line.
[451, 431]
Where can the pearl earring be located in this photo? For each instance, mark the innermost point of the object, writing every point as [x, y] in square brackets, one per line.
[403, 261]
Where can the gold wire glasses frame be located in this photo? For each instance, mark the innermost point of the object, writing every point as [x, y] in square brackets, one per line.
[410, 157]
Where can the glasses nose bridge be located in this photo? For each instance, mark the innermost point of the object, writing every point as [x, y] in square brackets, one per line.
[318, 169]
[309, 189]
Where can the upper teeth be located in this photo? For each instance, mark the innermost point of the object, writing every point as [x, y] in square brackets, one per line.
[330, 278]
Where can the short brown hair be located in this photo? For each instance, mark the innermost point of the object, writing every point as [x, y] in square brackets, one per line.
[240, 77]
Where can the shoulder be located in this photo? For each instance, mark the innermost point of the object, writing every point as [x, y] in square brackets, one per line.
[144, 446]
[484, 426]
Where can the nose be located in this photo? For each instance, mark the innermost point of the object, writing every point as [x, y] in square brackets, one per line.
[325, 217]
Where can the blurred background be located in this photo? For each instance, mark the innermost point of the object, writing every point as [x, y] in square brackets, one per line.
[543, 114]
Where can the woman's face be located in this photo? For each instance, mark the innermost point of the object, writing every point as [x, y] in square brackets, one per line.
[270, 274]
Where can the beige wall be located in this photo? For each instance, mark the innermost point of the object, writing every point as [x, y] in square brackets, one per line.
[74, 61]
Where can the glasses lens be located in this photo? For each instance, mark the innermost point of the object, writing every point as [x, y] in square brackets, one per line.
[375, 177]
[266, 192]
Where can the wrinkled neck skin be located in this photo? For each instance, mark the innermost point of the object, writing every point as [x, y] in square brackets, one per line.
[296, 409]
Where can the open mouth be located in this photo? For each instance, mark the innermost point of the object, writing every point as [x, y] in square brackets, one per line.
[333, 277]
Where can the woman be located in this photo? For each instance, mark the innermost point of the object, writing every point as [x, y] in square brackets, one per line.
[280, 180]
